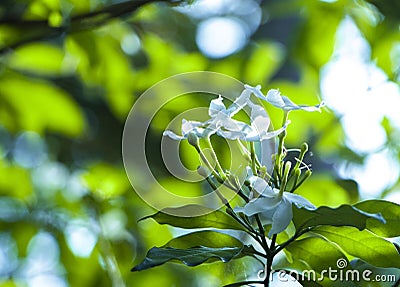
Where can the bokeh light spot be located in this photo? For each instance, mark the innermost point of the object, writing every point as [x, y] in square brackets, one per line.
[220, 36]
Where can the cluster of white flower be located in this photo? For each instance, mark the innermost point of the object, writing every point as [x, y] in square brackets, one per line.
[274, 206]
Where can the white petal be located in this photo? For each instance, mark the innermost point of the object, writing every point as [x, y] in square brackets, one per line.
[232, 129]
[262, 187]
[188, 126]
[239, 209]
[216, 106]
[173, 135]
[249, 171]
[289, 105]
[239, 103]
[258, 183]
[260, 204]
[282, 217]
[259, 117]
[272, 134]
[234, 125]
[298, 200]
[209, 130]
[274, 98]
[256, 91]
[265, 151]
[267, 215]
[316, 108]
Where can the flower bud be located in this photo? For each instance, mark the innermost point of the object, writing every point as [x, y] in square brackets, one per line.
[297, 173]
[193, 139]
[263, 170]
[204, 172]
[288, 165]
[304, 148]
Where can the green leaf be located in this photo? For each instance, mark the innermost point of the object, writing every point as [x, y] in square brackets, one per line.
[263, 63]
[317, 252]
[15, 181]
[362, 244]
[195, 248]
[344, 215]
[320, 27]
[210, 218]
[204, 238]
[191, 257]
[43, 59]
[330, 193]
[390, 211]
[38, 106]
[106, 181]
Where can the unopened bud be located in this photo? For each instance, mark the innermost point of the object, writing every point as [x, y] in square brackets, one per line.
[204, 172]
[288, 165]
[193, 139]
[263, 170]
[304, 148]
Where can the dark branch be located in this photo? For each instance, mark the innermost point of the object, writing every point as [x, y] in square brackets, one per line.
[40, 29]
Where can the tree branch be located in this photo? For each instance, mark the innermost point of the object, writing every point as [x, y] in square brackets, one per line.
[40, 29]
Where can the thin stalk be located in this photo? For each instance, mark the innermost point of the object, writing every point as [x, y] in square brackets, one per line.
[208, 164]
[244, 151]
[290, 240]
[220, 196]
[215, 158]
[303, 179]
[262, 234]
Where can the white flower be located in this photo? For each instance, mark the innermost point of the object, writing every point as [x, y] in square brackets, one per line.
[273, 207]
[275, 98]
[220, 116]
[187, 127]
[221, 122]
[256, 131]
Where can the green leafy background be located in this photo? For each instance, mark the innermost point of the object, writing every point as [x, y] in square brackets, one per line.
[68, 215]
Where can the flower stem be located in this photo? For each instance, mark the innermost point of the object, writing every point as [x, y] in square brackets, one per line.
[271, 255]
[220, 196]
[262, 235]
[303, 179]
[243, 150]
[215, 159]
[208, 164]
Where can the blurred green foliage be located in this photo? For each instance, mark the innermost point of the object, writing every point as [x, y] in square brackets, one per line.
[70, 71]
